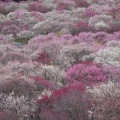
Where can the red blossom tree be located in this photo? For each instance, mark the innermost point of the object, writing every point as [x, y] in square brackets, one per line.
[68, 103]
[43, 58]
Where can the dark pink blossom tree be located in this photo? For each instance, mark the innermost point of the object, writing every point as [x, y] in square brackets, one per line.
[43, 58]
[86, 72]
[79, 27]
[38, 7]
[42, 84]
[81, 3]
[8, 115]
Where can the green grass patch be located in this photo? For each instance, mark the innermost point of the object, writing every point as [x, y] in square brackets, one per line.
[22, 40]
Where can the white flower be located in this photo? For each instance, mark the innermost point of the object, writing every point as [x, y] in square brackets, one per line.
[108, 56]
[113, 43]
[52, 73]
[100, 92]
[47, 27]
[27, 18]
[44, 93]
[25, 34]
[101, 24]
[100, 21]
[22, 105]
[11, 15]
[2, 18]
[23, 6]
[10, 37]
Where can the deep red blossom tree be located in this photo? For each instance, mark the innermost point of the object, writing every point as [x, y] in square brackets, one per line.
[68, 103]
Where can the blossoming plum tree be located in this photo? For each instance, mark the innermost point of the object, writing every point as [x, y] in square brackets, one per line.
[86, 72]
[68, 103]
